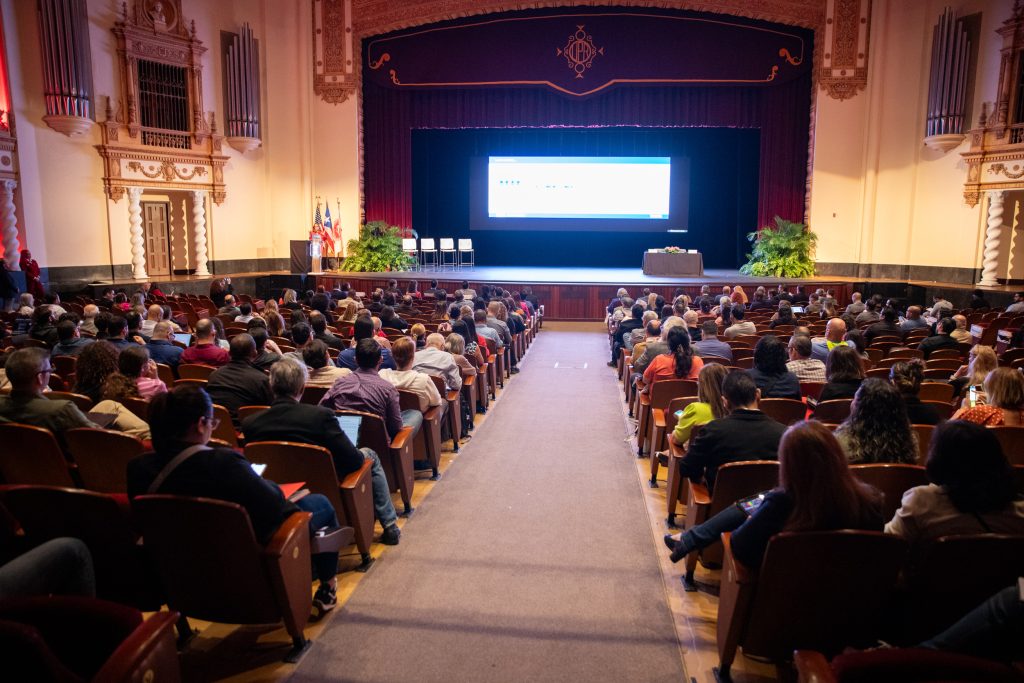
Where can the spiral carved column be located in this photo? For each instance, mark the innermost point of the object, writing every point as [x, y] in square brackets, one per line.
[990, 261]
[199, 225]
[9, 225]
[138, 243]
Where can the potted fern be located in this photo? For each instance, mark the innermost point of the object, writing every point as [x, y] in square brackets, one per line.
[378, 249]
[783, 250]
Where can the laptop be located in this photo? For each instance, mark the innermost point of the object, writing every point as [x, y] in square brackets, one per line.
[184, 338]
[350, 426]
[798, 309]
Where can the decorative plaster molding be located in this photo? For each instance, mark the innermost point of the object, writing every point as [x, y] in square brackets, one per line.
[334, 69]
[843, 64]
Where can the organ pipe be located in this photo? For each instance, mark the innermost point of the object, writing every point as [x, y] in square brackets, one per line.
[948, 82]
[67, 64]
[241, 66]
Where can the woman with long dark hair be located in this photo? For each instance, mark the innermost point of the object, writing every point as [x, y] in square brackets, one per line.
[471, 350]
[972, 488]
[680, 361]
[770, 373]
[844, 373]
[877, 429]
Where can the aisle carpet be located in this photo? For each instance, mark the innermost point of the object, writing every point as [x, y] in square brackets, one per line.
[533, 557]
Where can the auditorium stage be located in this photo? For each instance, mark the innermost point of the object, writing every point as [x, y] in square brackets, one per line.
[568, 293]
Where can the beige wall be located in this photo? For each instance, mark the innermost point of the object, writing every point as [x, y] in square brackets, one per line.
[878, 194]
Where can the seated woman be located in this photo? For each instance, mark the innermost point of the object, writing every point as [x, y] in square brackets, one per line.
[182, 421]
[135, 364]
[419, 333]
[96, 362]
[708, 406]
[289, 300]
[972, 489]
[221, 337]
[471, 346]
[738, 296]
[275, 324]
[679, 363]
[784, 316]
[843, 372]
[116, 389]
[877, 429]
[1002, 403]
[322, 372]
[456, 345]
[907, 377]
[981, 360]
[816, 492]
[770, 373]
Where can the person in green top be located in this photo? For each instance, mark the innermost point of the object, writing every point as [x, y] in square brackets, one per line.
[708, 406]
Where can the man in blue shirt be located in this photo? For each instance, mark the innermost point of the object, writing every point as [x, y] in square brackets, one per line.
[161, 349]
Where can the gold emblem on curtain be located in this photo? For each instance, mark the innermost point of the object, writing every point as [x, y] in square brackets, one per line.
[579, 51]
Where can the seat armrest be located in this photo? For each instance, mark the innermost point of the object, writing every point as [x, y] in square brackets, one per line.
[150, 648]
[403, 435]
[432, 414]
[812, 667]
[296, 524]
[468, 380]
[699, 494]
[354, 479]
[452, 396]
[659, 418]
[740, 573]
[645, 399]
[674, 449]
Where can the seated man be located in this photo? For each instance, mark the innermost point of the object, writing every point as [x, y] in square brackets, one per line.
[835, 333]
[710, 344]
[627, 325]
[745, 434]
[267, 352]
[362, 329]
[240, 383]
[318, 323]
[695, 330]
[205, 351]
[432, 359]
[741, 326]
[289, 420]
[800, 363]
[914, 320]
[89, 314]
[960, 334]
[229, 307]
[28, 370]
[71, 341]
[869, 314]
[244, 313]
[322, 371]
[856, 306]
[161, 349]
[154, 314]
[482, 329]
[495, 323]
[939, 304]
[887, 327]
[182, 422]
[367, 391]
[407, 379]
[391, 320]
[941, 340]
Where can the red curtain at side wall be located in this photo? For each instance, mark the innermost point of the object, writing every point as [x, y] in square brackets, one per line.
[781, 112]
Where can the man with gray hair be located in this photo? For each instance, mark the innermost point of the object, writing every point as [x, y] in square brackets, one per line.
[800, 363]
[28, 371]
[636, 336]
[710, 344]
[691, 318]
[89, 313]
[289, 420]
[433, 360]
[960, 333]
[154, 314]
[161, 348]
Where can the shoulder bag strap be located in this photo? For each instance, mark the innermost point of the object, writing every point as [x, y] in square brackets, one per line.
[173, 465]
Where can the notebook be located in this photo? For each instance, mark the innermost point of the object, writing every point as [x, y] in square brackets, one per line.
[350, 426]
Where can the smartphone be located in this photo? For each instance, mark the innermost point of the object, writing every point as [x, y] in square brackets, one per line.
[750, 505]
[678, 414]
[972, 395]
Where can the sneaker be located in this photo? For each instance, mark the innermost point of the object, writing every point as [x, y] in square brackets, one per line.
[324, 600]
[391, 535]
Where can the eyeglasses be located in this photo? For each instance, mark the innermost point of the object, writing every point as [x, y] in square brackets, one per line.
[46, 371]
[212, 421]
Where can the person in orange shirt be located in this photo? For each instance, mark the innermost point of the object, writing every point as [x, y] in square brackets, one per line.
[679, 363]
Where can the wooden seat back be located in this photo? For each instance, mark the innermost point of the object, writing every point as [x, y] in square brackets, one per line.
[138, 406]
[811, 389]
[81, 401]
[793, 603]
[225, 430]
[1012, 441]
[784, 410]
[943, 408]
[123, 572]
[893, 480]
[734, 481]
[195, 371]
[31, 455]
[834, 411]
[924, 441]
[102, 457]
[288, 462]
[936, 391]
[312, 394]
[246, 412]
[227, 576]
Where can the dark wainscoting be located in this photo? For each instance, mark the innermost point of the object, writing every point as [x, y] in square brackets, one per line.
[891, 271]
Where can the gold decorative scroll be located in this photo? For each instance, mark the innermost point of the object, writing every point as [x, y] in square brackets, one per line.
[334, 72]
[843, 67]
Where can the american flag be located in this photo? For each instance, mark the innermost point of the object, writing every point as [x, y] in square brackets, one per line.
[318, 228]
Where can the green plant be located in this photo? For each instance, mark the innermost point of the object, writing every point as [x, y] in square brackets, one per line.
[785, 250]
[378, 249]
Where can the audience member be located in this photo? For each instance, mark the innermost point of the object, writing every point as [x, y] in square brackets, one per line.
[28, 370]
[972, 489]
[322, 372]
[135, 364]
[784, 316]
[362, 329]
[907, 377]
[367, 391]
[770, 373]
[182, 422]
[708, 406]
[877, 429]
[432, 359]
[887, 327]
[267, 352]
[960, 334]
[1002, 403]
[978, 300]
[95, 363]
[71, 342]
[800, 363]
[835, 335]
[59, 566]
[244, 312]
[239, 383]
[228, 307]
[710, 344]
[678, 363]
[856, 306]
[406, 379]
[869, 314]
[289, 420]
[161, 347]
[941, 340]
[844, 374]
[981, 360]
[117, 388]
[206, 351]
[939, 305]
[914, 320]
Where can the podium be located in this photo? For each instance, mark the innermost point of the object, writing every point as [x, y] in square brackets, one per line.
[306, 256]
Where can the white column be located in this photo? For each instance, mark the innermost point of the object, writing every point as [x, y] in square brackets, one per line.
[990, 261]
[9, 225]
[199, 225]
[138, 243]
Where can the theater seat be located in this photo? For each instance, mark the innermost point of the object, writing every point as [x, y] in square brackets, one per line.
[227, 576]
[395, 454]
[900, 665]
[84, 639]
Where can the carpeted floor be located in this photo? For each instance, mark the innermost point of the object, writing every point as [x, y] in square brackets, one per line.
[533, 557]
